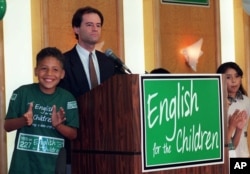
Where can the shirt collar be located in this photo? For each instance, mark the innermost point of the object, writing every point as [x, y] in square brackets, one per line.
[83, 51]
[239, 96]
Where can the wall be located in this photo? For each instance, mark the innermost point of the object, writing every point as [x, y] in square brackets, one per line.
[183, 25]
[163, 40]
[17, 52]
[227, 30]
[122, 30]
[242, 45]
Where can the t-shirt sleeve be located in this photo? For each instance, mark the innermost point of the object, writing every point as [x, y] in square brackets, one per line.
[14, 104]
[72, 113]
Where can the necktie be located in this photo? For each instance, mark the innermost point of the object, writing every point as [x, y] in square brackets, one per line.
[92, 72]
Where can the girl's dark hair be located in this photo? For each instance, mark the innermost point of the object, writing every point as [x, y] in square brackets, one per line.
[77, 17]
[225, 66]
[159, 71]
[50, 51]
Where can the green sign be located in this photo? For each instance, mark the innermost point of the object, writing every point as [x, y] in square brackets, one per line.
[41, 144]
[189, 2]
[182, 121]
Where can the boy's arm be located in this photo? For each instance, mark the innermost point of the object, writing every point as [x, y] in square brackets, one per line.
[14, 123]
[67, 131]
[57, 122]
[17, 123]
[236, 137]
[234, 121]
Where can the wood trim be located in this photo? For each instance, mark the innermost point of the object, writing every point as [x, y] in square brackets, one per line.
[157, 41]
[246, 20]
[120, 24]
[37, 18]
[3, 145]
[218, 31]
[45, 17]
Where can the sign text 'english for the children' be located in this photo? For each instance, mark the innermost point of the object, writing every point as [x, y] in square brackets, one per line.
[181, 121]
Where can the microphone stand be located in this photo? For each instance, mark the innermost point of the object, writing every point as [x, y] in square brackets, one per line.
[121, 70]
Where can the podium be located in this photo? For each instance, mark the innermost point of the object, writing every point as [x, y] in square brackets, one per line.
[109, 137]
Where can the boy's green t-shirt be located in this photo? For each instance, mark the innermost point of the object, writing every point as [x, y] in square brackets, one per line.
[37, 146]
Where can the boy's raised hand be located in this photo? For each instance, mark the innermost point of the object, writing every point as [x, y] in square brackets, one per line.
[29, 115]
[57, 117]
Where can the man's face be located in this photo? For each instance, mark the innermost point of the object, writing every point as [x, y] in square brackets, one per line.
[89, 31]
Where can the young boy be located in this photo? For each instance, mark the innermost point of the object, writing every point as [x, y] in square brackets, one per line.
[43, 115]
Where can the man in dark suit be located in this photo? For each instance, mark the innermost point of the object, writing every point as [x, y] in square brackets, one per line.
[87, 24]
[76, 78]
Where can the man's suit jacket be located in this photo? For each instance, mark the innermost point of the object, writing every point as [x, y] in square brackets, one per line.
[75, 79]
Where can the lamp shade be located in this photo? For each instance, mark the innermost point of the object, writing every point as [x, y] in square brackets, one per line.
[192, 53]
[2, 8]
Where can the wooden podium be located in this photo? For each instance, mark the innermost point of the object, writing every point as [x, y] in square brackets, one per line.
[109, 135]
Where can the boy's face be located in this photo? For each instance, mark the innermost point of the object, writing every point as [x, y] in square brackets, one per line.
[49, 72]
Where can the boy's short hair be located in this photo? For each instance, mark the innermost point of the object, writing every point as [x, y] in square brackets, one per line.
[50, 51]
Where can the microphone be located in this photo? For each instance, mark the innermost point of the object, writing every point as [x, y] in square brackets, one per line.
[109, 53]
